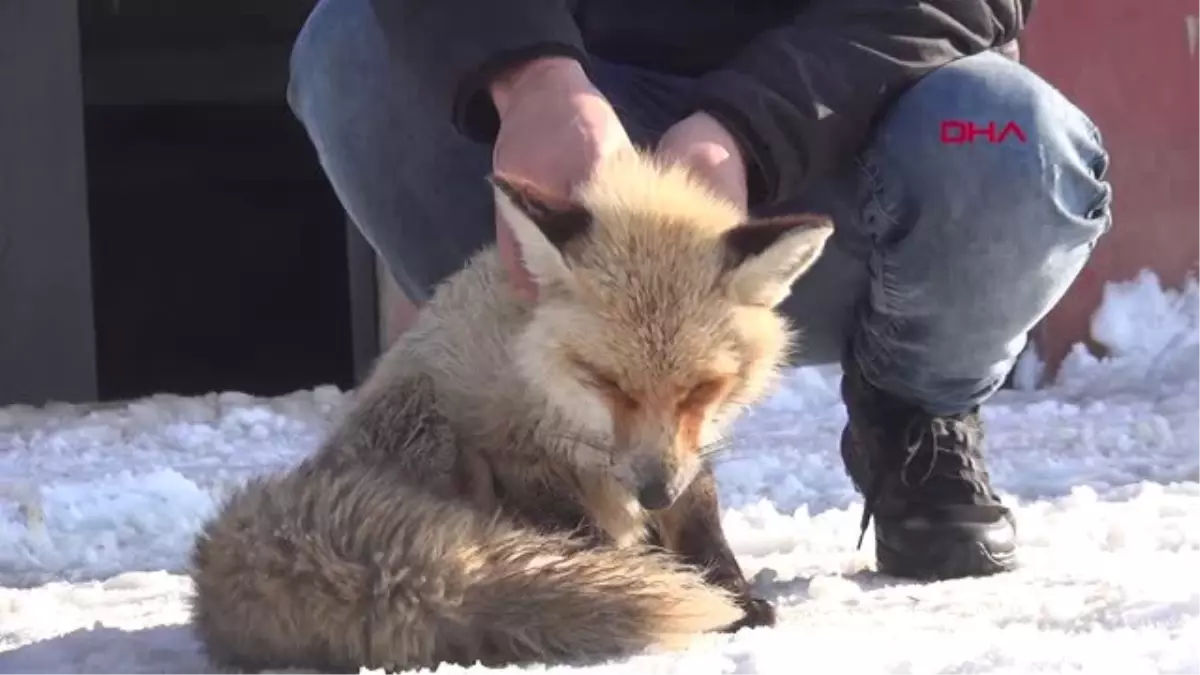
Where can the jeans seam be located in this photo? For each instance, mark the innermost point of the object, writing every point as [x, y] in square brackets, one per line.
[1099, 165]
[873, 208]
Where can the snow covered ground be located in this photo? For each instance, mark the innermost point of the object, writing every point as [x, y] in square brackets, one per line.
[98, 508]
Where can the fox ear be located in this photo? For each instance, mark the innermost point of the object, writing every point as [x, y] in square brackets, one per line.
[542, 225]
[766, 256]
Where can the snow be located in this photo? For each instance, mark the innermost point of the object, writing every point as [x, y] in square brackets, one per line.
[98, 508]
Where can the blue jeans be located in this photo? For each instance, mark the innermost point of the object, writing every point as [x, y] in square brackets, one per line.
[945, 255]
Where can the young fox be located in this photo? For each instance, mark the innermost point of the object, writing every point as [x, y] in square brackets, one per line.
[526, 480]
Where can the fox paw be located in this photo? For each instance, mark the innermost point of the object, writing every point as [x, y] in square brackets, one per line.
[758, 613]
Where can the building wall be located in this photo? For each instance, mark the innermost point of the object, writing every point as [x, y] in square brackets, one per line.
[46, 323]
[142, 185]
[1132, 66]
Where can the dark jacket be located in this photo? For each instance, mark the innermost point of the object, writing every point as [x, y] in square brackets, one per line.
[799, 83]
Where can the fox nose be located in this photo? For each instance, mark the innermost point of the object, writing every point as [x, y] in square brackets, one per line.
[655, 495]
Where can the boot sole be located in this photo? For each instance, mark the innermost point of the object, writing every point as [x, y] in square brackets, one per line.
[959, 559]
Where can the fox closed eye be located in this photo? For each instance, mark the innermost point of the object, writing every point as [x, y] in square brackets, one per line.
[604, 383]
[704, 394]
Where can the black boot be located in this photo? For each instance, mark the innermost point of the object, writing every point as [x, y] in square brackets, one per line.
[924, 483]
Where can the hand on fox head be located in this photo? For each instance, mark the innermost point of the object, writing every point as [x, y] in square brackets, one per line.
[554, 127]
[706, 147]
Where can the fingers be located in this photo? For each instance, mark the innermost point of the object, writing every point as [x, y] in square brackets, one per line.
[705, 147]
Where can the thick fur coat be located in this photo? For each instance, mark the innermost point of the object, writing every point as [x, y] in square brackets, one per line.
[526, 480]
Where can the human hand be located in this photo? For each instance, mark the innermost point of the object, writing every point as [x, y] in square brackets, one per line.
[705, 146]
[555, 126]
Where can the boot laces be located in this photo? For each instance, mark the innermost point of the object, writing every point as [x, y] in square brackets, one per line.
[944, 453]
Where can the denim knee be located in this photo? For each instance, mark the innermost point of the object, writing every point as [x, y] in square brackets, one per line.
[987, 136]
[327, 49]
[983, 195]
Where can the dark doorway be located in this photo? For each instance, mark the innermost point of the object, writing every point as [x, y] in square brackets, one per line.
[220, 255]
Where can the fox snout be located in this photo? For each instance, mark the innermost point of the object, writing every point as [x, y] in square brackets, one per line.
[657, 483]
[656, 493]
[658, 443]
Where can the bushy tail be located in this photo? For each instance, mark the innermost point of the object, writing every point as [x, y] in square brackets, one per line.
[335, 571]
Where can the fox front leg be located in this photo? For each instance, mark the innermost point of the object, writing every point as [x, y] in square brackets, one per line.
[691, 528]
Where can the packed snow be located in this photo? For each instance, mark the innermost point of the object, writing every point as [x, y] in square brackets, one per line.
[98, 508]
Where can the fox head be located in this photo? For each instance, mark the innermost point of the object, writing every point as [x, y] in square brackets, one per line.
[655, 321]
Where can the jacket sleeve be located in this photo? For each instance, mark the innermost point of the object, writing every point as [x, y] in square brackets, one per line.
[803, 95]
[455, 47]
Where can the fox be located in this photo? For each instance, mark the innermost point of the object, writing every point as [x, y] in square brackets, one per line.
[528, 477]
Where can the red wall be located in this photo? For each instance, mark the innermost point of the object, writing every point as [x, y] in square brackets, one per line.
[1132, 66]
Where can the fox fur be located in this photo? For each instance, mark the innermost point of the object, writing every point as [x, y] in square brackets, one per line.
[526, 479]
